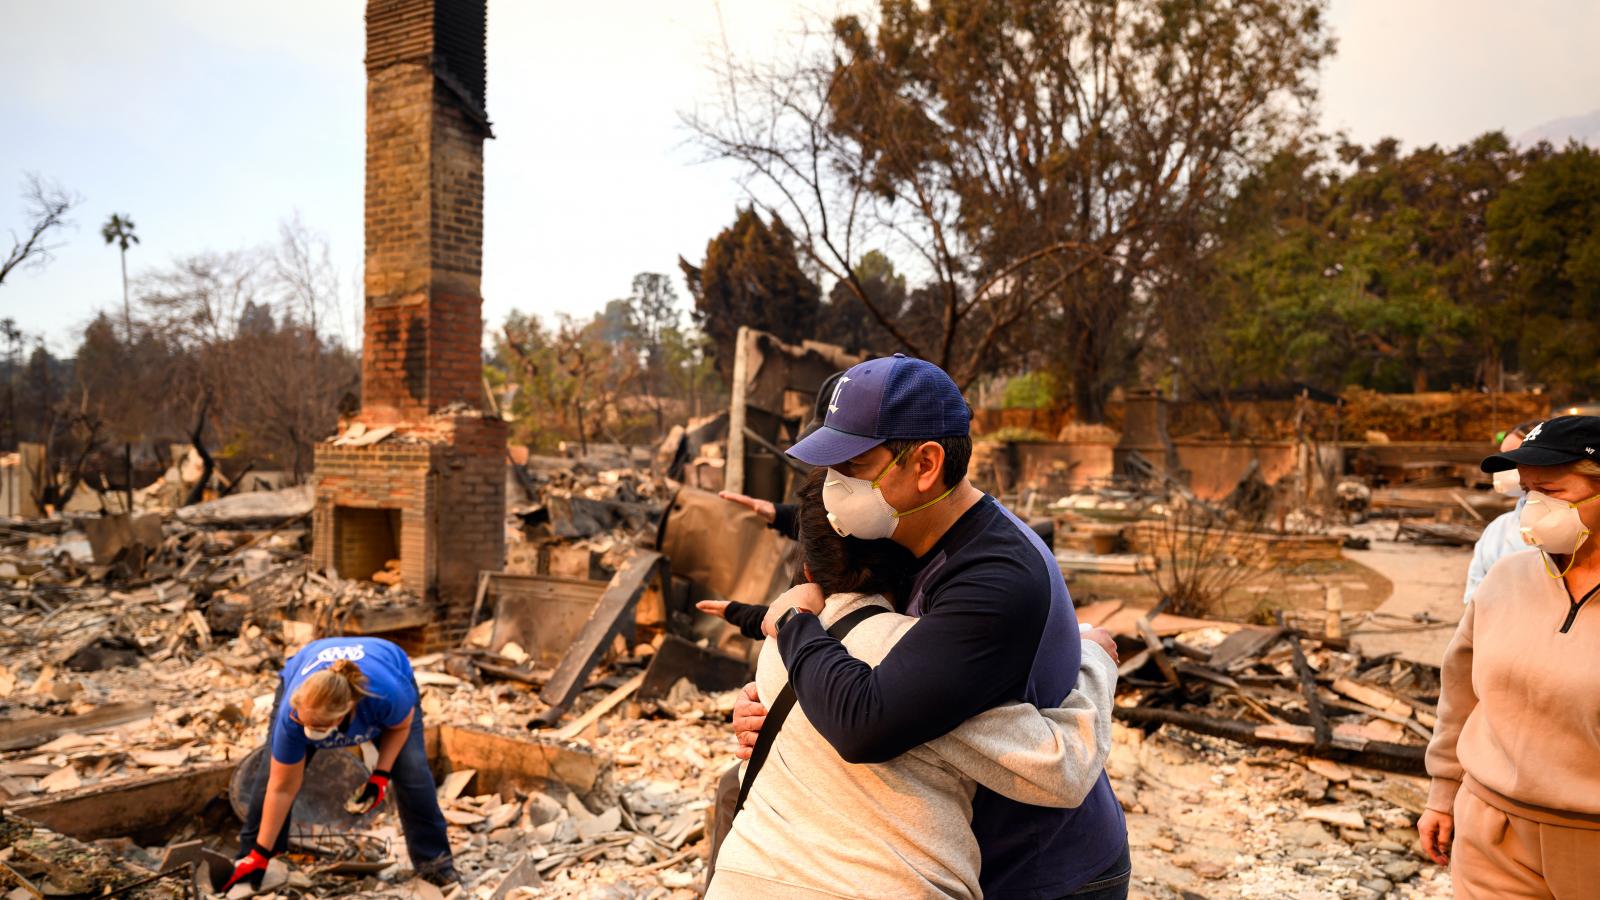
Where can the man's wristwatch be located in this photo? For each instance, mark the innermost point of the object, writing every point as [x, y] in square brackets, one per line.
[790, 613]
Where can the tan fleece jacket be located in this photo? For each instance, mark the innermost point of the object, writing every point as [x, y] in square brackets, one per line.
[1519, 708]
[816, 826]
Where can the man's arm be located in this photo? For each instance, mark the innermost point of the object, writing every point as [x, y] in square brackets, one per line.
[1488, 543]
[1042, 757]
[972, 651]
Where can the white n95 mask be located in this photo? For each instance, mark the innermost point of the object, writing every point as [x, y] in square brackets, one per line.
[1508, 482]
[318, 734]
[1554, 526]
[856, 507]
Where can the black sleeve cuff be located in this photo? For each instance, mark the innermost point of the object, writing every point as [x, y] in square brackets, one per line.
[785, 520]
[747, 617]
[798, 632]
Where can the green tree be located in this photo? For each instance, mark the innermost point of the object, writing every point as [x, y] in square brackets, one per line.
[1365, 266]
[751, 276]
[1544, 230]
[846, 320]
[652, 320]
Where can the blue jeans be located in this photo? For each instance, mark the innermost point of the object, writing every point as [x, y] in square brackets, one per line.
[415, 794]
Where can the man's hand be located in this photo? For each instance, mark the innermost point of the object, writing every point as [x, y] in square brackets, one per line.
[748, 717]
[763, 508]
[718, 608]
[1106, 641]
[802, 596]
[1436, 831]
[250, 869]
[370, 795]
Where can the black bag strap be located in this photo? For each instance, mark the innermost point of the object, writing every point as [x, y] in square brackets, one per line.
[785, 702]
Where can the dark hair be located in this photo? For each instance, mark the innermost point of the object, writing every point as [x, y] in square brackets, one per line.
[842, 565]
[957, 454]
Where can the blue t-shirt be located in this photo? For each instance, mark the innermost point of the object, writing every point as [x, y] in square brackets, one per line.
[389, 680]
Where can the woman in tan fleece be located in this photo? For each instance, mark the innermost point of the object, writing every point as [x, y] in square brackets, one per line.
[1514, 807]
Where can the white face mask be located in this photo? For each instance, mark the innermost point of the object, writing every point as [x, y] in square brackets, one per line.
[1554, 526]
[1508, 483]
[857, 508]
[319, 734]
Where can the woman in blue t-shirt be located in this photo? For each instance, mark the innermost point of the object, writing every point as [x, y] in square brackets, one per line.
[341, 692]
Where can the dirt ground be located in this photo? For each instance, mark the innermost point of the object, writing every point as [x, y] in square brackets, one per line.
[1298, 587]
[1417, 620]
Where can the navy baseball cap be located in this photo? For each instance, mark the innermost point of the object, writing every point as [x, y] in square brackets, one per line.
[1553, 442]
[892, 398]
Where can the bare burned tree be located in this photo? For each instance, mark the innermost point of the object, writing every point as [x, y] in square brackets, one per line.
[47, 205]
[800, 129]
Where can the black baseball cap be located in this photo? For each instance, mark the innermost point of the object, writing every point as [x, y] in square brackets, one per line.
[1553, 442]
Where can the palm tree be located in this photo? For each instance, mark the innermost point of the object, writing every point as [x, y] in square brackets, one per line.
[119, 229]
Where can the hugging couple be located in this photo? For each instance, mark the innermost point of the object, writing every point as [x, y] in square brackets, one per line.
[929, 722]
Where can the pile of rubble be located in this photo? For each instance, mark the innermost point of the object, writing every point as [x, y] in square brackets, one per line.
[581, 517]
[1279, 686]
[1207, 819]
[1269, 761]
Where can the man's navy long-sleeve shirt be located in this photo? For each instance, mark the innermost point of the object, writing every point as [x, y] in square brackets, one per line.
[997, 625]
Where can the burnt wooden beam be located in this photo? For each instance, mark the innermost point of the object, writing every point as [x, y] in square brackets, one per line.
[612, 615]
[1373, 754]
[146, 808]
[1157, 652]
[30, 732]
[708, 669]
[1308, 688]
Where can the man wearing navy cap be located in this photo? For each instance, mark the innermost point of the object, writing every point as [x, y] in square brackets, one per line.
[997, 624]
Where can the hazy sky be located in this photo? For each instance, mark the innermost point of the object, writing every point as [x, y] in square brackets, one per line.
[209, 123]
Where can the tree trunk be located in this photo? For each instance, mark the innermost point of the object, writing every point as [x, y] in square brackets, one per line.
[127, 308]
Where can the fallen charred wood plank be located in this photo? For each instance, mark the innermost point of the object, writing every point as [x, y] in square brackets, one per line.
[1308, 687]
[509, 673]
[1204, 673]
[145, 808]
[606, 704]
[1157, 652]
[1372, 696]
[24, 734]
[1373, 754]
[708, 669]
[612, 615]
[1244, 644]
[1334, 702]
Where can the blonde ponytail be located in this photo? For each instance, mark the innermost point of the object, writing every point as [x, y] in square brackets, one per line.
[334, 689]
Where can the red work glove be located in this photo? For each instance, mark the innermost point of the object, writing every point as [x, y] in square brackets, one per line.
[370, 795]
[250, 869]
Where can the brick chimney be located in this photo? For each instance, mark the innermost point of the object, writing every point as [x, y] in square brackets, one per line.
[431, 492]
